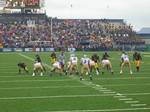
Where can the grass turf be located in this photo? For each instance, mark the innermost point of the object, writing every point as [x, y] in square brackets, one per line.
[24, 93]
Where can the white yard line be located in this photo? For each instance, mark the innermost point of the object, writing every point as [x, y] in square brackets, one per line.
[60, 80]
[131, 102]
[104, 110]
[112, 85]
[46, 97]
[69, 96]
[19, 75]
[44, 87]
[125, 99]
[138, 105]
[109, 92]
[123, 78]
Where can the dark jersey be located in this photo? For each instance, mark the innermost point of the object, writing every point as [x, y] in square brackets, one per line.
[53, 55]
[95, 58]
[38, 59]
[22, 65]
[137, 56]
[105, 56]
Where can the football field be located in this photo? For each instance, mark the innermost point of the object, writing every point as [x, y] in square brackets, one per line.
[66, 93]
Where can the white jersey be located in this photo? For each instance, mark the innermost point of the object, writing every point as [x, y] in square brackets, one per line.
[125, 57]
[37, 65]
[74, 60]
[62, 59]
[85, 61]
[105, 62]
[57, 65]
[92, 62]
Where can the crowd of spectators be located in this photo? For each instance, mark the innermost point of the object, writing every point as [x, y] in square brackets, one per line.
[24, 35]
[79, 33]
[98, 33]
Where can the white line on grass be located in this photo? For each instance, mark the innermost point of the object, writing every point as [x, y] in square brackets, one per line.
[46, 97]
[123, 78]
[45, 87]
[125, 99]
[103, 110]
[132, 102]
[109, 92]
[19, 75]
[70, 96]
[119, 96]
[61, 80]
[138, 105]
[112, 85]
[27, 57]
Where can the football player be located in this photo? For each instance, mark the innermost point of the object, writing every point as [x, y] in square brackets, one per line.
[137, 59]
[23, 66]
[126, 62]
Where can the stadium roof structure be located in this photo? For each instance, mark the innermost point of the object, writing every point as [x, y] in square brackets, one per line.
[145, 30]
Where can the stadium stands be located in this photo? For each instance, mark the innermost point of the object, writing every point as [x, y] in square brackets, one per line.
[36, 30]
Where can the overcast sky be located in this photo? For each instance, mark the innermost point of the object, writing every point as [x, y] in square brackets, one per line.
[135, 12]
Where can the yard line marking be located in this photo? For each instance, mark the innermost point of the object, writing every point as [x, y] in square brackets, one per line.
[46, 87]
[103, 110]
[61, 80]
[9, 72]
[111, 85]
[134, 94]
[125, 99]
[123, 78]
[109, 92]
[138, 105]
[60, 96]
[44, 97]
[132, 102]
[9, 76]
[27, 57]
[119, 96]
[104, 90]
[94, 79]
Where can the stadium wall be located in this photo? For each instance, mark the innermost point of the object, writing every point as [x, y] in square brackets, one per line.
[147, 48]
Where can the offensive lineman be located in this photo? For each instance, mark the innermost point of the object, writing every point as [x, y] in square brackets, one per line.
[106, 63]
[85, 63]
[126, 61]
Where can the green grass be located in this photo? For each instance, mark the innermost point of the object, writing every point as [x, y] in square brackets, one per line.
[24, 93]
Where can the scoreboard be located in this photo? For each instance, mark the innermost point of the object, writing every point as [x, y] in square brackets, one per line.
[22, 3]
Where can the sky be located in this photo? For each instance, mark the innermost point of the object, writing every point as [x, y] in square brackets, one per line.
[135, 12]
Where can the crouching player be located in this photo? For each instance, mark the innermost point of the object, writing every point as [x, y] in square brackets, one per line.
[57, 66]
[73, 64]
[126, 61]
[106, 63]
[23, 66]
[95, 63]
[85, 69]
[53, 57]
[37, 68]
[38, 59]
